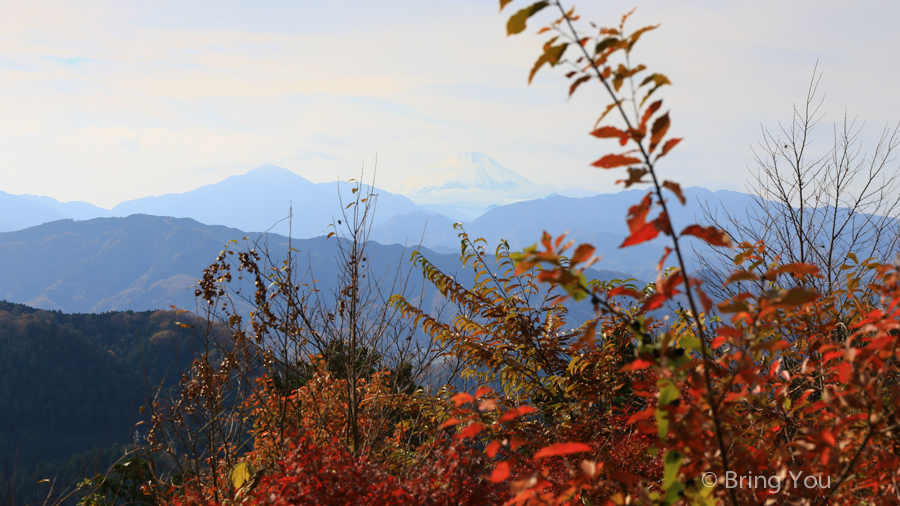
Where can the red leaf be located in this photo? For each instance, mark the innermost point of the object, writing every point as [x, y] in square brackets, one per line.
[636, 365]
[671, 143]
[613, 161]
[500, 473]
[450, 423]
[516, 441]
[648, 113]
[662, 261]
[667, 286]
[627, 292]
[462, 398]
[562, 449]
[712, 235]
[492, 448]
[705, 300]
[643, 415]
[828, 437]
[471, 430]
[637, 214]
[514, 413]
[646, 233]
[654, 301]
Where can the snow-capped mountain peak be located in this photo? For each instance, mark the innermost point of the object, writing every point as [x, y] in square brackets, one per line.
[465, 171]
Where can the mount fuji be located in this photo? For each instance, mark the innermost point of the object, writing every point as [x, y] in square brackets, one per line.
[470, 180]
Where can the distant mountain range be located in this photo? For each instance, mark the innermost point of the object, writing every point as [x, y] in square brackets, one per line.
[263, 198]
[461, 188]
[149, 262]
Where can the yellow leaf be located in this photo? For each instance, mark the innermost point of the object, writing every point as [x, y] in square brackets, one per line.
[240, 474]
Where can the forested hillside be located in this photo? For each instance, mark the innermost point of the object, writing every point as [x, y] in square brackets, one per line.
[74, 383]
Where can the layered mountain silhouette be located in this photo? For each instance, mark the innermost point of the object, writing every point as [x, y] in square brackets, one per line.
[262, 200]
[149, 262]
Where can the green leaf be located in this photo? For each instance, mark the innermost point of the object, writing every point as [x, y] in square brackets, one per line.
[606, 43]
[516, 23]
[551, 55]
[667, 394]
[672, 462]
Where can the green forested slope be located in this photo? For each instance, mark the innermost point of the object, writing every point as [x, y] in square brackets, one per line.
[71, 384]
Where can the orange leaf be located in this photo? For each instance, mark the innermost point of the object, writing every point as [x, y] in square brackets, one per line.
[582, 253]
[562, 449]
[462, 398]
[613, 161]
[712, 235]
[492, 448]
[471, 430]
[608, 132]
[671, 143]
[796, 268]
[450, 423]
[481, 392]
[740, 276]
[500, 473]
[514, 413]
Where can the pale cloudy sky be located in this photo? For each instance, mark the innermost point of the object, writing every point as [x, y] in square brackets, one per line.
[105, 101]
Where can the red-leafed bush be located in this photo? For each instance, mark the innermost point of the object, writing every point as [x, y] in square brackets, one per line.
[328, 474]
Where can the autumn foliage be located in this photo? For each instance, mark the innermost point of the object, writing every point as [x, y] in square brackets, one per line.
[628, 408]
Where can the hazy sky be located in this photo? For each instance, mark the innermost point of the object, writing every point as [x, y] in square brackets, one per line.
[106, 101]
